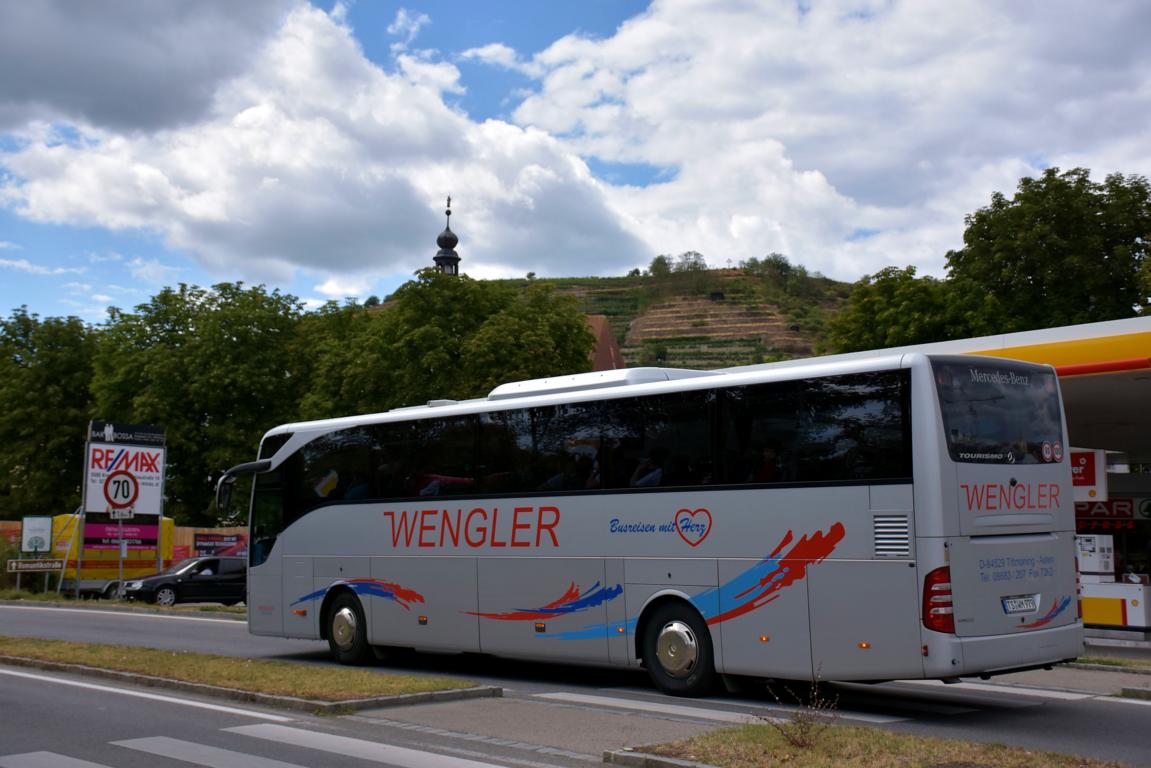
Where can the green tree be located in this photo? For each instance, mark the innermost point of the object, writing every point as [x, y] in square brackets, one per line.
[539, 334]
[893, 308]
[690, 261]
[428, 322]
[345, 351]
[440, 336]
[660, 266]
[216, 368]
[1063, 250]
[45, 372]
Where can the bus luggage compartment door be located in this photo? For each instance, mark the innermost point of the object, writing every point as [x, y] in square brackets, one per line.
[864, 616]
[1012, 583]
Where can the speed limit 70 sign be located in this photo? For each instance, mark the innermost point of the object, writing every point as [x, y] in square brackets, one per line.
[124, 477]
[121, 489]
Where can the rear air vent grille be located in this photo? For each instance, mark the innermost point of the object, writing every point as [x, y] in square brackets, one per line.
[892, 536]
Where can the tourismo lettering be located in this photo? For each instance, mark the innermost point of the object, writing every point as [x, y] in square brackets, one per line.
[109, 459]
[475, 528]
[999, 377]
[996, 497]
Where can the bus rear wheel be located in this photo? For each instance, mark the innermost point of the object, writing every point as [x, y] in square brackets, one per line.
[347, 631]
[677, 651]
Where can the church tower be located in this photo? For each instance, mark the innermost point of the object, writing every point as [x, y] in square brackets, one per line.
[447, 260]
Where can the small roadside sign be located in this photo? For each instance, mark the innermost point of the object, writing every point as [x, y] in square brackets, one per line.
[35, 566]
[36, 535]
[120, 514]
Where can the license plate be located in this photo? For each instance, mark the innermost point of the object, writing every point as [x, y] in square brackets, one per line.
[1022, 604]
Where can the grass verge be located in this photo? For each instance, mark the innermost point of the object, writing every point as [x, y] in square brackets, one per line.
[842, 746]
[276, 678]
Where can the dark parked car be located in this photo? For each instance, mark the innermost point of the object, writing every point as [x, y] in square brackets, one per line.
[213, 579]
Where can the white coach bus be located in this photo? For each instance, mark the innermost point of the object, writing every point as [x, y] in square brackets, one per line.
[898, 517]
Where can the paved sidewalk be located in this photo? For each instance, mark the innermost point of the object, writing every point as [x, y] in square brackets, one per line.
[1092, 678]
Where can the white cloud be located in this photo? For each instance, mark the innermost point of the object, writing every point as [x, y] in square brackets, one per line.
[23, 265]
[793, 127]
[439, 76]
[408, 24]
[317, 159]
[500, 55]
[339, 287]
[6, 246]
[152, 271]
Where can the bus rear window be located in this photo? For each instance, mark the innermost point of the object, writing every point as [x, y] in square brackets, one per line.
[999, 413]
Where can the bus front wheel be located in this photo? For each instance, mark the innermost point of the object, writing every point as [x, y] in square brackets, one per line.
[347, 631]
[677, 651]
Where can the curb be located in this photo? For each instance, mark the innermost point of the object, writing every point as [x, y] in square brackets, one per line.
[269, 700]
[1136, 693]
[1108, 668]
[124, 607]
[629, 757]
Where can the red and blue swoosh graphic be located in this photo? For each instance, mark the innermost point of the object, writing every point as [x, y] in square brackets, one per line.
[747, 592]
[572, 601]
[371, 588]
[1057, 607]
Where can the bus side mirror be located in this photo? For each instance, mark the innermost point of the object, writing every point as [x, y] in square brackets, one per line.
[228, 480]
[224, 494]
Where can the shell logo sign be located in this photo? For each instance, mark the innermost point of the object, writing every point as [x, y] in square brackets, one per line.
[1089, 474]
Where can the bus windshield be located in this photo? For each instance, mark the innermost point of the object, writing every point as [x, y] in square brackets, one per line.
[999, 413]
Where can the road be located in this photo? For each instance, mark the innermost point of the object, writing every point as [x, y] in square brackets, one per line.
[564, 716]
[59, 721]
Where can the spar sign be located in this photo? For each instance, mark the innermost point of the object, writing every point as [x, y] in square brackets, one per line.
[122, 478]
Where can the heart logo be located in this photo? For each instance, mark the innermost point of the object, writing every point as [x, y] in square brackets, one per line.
[693, 525]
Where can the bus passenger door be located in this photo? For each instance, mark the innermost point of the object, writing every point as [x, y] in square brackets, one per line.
[300, 611]
[545, 608]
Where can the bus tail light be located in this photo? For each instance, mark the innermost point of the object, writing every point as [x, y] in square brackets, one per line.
[938, 609]
[1078, 590]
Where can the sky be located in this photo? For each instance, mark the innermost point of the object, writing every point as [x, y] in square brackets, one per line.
[311, 146]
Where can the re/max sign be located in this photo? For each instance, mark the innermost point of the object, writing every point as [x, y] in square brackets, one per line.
[131, 460]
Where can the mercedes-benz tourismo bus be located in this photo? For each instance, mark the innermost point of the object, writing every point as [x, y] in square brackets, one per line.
[906, 516]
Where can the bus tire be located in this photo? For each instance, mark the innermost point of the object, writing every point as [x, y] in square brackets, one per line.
[677, 651]
[347, 631]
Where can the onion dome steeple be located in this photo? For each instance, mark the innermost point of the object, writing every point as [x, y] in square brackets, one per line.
[447, 260]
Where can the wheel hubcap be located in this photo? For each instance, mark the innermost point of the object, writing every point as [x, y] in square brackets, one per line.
[677, 649]
[344, 628]
[166, 597]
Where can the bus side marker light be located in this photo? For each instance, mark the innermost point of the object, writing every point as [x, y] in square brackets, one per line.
[541, 627]
[925, 651]
[864, 645]
[423, 620]
[300, 612]
[764, 639]
[620, 630]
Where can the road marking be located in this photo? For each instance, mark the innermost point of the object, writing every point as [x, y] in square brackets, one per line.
[1042, 693]
[361, 749]
[1123, 700]
[200, 754]
[118, 614]
[699, 713]
[481, 738]
[45, 760]
[151, 696]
